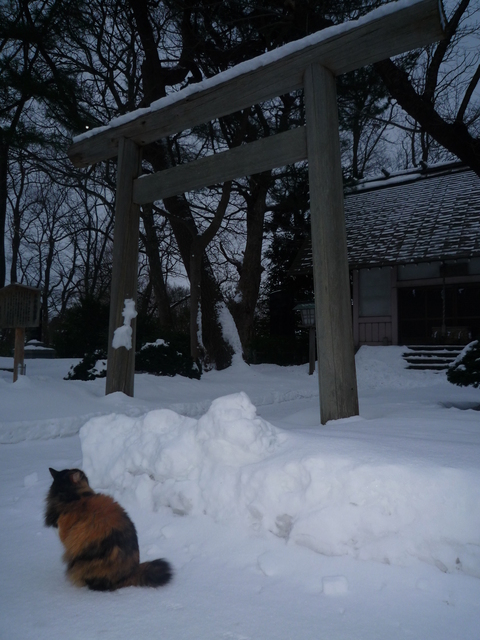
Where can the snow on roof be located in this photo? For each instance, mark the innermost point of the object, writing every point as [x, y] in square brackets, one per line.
[411, 217]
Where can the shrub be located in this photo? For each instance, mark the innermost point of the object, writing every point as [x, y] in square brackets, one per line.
[83, 329]
[168, 358]
[88, 368]
[465, 370]
[161, 358]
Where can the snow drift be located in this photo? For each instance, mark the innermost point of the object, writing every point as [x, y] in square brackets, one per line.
[320, 492]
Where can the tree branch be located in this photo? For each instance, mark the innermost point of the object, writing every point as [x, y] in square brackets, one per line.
[431, 79]
[455, 136]
[468, 96]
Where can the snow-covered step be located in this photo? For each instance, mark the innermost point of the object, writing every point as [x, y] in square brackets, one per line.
[431, 357]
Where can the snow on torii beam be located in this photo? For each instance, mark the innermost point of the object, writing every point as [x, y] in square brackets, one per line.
[311, 64]
[390, 30]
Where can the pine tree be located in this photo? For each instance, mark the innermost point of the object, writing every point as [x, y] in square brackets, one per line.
[465, 371]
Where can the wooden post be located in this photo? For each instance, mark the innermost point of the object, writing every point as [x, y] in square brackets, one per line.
[311, 351]
[394, 306]
[19, 353]
[121, 361]
[356, 307]
[333, 311]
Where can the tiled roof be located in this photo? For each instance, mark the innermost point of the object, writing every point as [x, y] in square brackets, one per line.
[418, 216]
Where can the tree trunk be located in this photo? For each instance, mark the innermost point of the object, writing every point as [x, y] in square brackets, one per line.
[16, 228]
[195, 296]
[150, 242]
[155, 78]
[243, 310]
[3, 208]
[218, 351]
[15, 244]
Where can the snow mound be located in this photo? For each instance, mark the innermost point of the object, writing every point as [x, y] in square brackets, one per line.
[384, 367]
[164, 458]
[236, 467]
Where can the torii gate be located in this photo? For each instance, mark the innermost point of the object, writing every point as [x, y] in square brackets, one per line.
[312, 64]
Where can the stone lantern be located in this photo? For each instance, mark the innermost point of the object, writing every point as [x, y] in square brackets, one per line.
[307, 315]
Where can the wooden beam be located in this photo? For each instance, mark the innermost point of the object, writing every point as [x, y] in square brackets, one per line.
[386, 32]
[276, 151]
[333, 312]
[121, 361]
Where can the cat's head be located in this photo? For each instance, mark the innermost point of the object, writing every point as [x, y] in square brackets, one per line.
[69, 479]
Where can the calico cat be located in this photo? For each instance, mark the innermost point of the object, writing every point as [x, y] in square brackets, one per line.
[101, 546]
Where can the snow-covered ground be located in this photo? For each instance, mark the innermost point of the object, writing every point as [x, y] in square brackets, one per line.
[278, 528]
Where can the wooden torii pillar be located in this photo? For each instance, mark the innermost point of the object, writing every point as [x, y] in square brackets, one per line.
[310, 64]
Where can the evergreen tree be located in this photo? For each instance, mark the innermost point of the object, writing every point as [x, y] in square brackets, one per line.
[465, 371]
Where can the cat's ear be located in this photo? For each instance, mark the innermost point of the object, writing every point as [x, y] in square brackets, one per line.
[53, 473]
[76, 477]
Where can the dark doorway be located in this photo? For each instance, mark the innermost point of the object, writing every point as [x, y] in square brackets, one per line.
[423, 314]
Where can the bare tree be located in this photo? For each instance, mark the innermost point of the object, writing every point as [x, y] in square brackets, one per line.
[36, 83]
[438, 88]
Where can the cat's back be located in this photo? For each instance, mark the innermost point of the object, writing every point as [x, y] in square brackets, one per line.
[91, 520]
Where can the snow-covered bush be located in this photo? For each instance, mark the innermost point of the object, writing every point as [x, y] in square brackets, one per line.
[465, 370]
[93, 365]
[170, 358]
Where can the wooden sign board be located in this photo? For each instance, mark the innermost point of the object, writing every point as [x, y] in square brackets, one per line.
[19, 306]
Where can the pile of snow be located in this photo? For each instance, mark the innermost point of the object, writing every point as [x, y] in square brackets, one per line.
[385, 368]
[311, 490]
[164, 458]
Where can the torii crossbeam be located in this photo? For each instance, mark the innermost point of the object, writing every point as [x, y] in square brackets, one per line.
[312, 64]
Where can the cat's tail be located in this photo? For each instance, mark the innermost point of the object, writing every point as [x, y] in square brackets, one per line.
[150, 574]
